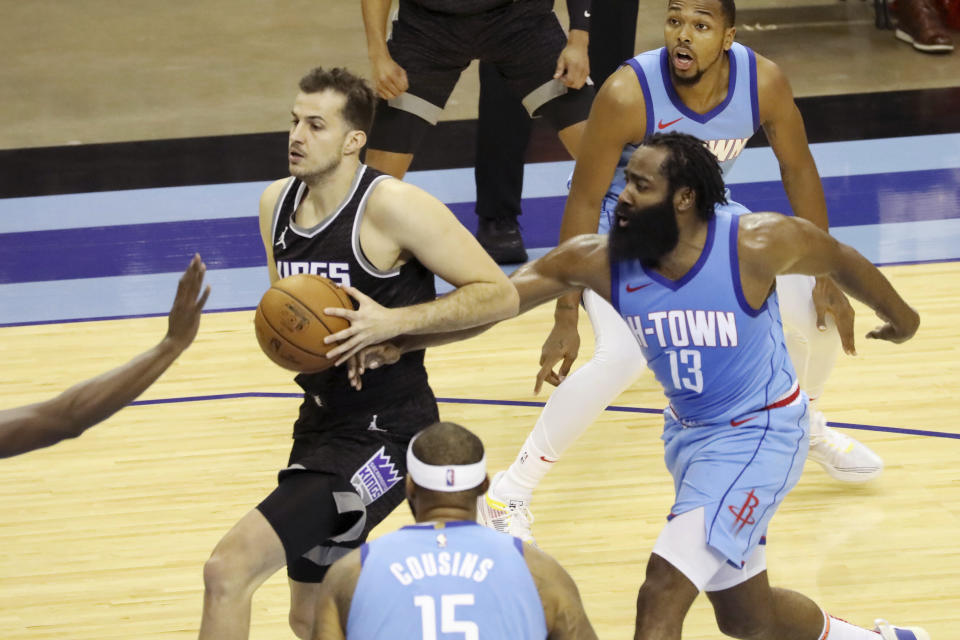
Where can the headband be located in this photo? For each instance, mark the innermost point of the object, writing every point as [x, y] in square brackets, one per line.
[447, 478]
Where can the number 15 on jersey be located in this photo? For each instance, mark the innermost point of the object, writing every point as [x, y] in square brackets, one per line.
[448, 616]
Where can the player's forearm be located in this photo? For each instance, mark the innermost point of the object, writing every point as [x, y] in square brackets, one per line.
[85, 404]
[579, 38]
[579, 217]
[805, 193]
[419, 342]
[474, 304]
[862, 280]
[375, 14]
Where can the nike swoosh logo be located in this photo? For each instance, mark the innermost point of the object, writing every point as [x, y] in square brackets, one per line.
[547, 460]
[637, 288]
[586, 14]
[661, 125]
[737, 423]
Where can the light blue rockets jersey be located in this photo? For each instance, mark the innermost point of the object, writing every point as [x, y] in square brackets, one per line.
[725, 128]
[716, 357]
[447, 581]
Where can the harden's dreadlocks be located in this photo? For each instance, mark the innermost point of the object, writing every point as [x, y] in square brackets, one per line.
[691, 164]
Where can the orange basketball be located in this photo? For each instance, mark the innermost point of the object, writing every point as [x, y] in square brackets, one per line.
[291, 325]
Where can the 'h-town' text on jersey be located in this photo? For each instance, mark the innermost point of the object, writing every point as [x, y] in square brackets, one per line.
[716, 357]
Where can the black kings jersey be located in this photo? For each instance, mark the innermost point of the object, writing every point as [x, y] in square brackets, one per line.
[332, 249]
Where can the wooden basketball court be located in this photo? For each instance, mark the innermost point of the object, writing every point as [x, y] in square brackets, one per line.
[105, 536]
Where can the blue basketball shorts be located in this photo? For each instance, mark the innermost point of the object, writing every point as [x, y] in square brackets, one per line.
[738, 474]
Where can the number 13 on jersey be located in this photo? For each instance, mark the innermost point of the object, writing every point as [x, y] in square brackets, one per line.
[685, 370]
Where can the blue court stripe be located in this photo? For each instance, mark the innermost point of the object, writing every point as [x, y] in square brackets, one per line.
[541, 179]
[526, 403]
[129, 249]
[25, 304]
[228, 243]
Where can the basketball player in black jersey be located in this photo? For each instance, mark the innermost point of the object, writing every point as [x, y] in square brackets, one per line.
[87, 403]
[383, 240]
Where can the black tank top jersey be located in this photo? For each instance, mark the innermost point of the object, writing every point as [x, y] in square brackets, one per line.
[332, 249]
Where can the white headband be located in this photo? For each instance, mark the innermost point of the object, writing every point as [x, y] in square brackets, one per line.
[446, 478]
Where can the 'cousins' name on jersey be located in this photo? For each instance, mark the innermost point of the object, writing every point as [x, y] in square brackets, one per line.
[683, 328]
[339, 272]
[727, 149]
[442, 563]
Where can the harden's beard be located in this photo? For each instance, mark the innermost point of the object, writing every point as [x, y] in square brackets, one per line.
[649, 234]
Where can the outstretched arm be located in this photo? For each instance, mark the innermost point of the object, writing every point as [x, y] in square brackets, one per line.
[617, 117]
[783, 125]
[416, 225]
[580, 262]
[77, 409]
[772, 244]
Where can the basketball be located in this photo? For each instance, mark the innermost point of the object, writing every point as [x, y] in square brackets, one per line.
[290, 323]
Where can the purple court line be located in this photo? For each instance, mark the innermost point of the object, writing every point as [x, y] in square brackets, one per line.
[529, 403]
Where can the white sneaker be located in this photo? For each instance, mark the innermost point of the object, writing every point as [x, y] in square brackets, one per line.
[844, 458]
[889, 632]
[506, 515]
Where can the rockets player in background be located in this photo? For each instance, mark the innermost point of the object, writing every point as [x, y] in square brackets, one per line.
[704, 84]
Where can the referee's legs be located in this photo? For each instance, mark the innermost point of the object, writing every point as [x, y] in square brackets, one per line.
[503, 131]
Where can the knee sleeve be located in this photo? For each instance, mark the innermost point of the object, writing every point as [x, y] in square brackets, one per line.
[564, 109]
[397, 130]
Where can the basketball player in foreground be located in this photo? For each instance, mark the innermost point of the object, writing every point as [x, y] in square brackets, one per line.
[407, 583]
[85, 404]
[705, 84]
[696, 285]
[382, 240]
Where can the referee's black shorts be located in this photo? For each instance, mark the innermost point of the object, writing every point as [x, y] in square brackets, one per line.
[523, 39]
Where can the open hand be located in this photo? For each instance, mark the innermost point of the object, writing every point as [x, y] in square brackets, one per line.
[184, 319]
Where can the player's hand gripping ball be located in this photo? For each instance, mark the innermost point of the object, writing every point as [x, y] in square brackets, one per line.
[291, 325]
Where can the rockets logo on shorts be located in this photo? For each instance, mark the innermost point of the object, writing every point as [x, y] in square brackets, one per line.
[375, 477]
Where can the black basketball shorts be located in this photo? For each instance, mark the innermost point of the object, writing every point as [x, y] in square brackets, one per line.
[345, 475]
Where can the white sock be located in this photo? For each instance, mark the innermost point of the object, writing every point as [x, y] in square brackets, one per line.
[837, 629]
[578, 401]
[532, 464]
